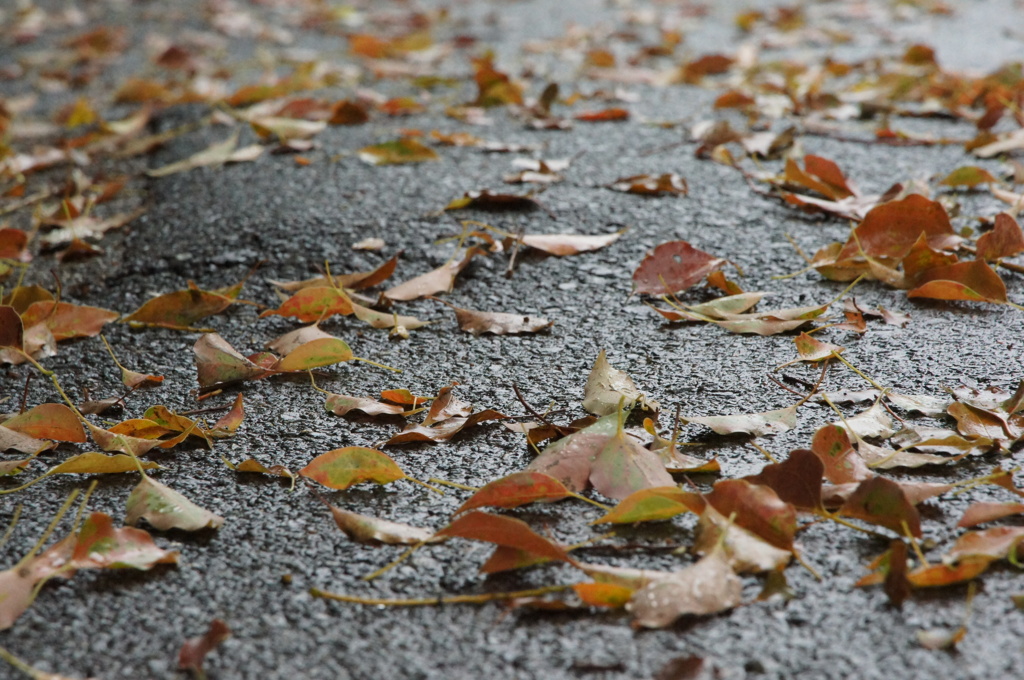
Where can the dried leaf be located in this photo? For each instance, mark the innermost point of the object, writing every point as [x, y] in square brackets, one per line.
[218, 153]
[874, 422]
[842, 464]
[340, 404]
[796, 480]
[746, 551]
[499, 323]
[968, 176]
[1005, 240]
[603, 594]
[376, 531]
[183, 308]
[437, 281]
[443, 431]
[96, 463]
[218, 363]
[98, 545]
[561, 245]
[980, 512]
[488, 200]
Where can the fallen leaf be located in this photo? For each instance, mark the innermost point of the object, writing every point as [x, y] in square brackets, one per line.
[193, 653]
[796, 480]
[653, 504]
[218, 363]
[48, 421]
[218, 153]
[505, 531]
[842, 463]
[973, 281]
[183, 308]
[488, 200]
[340, 404]
[404, 150]
[881, 501]
[1005, 240]
[756, 424]
[968, 176]
[562, 245]
[746, 551]
[498, 323]
[346, 467]
[672, 268]
[98, 545]
[376, 531]
[437, 281]
[313, 304]
[706, 587]
[516, 489]
[164, 508]
[652, 185]
[609, 390]
[981, 512]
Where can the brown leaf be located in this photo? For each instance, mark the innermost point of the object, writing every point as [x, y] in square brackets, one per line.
[1005, 240]
[796, 480]
[376, 531]
[194, 651]
[609, 390]
[842, 464]
[499, 323]
[437, 281]
[707, 587]
[505, 531]
[561, 245]
[881, 501]
[974, 281]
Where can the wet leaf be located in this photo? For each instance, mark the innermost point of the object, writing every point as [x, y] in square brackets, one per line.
[707, 587]
[746, 551]
[404, 150]
[346, 467]
[516, 489]
[796, 480]
[981, 512]
[505, 531]
[48, 421]
[340, 404]
[499, 323]
[164, 508]
[757, 509]
[874, 422]
[376, 531]
[608, 390]
[1005, 240]
[603, 594]
[98, 545]
[988, 544]
[653, 504]
[313, 304]
[881, 501]
[183, 308]
[444, 430]
[756, 424]
[218, 363]
[842, 464]
[672, 268]
[66, 321]
[193, 653]
[919, 403]
[891, 229]
[968, 176]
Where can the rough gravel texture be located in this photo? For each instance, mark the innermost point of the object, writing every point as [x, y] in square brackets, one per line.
[212, 225]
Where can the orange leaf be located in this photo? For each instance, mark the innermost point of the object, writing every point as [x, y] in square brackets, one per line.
[518, 488]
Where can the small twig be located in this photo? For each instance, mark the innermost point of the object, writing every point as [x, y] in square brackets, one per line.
[779, 383]
[533, 412]
[516, 245]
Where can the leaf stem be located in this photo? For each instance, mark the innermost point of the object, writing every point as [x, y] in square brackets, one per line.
[10, 527]
[416, 481]
[583, 498]
[445, 482]
[431, 601]
[856, 370]
[395, 562]
[374, 363]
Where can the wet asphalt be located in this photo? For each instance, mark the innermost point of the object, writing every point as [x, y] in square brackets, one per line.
[213, 224]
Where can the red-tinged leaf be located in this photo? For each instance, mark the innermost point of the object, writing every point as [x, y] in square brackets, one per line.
[757, 509]
[1005, 240]
[756, 424]
[706, 65]
[973, 281]
[603, 594]
[812, 349]
[403, 397]
[981, 512]
[342, 468]
[993, 544]
[313, 304]
[505, 558]
[17, 585]
[375, 531]
[897, 583]
[444, 430]
[562, 245]
[832, 185]
[164, 508]
[12, 330]
[229, 423]
[437, 281]
[653, 504]
[13, 245]
[570, 459]
[796, 480]
[48, 421]
[603, 116]
[193, 653]
[66, 321]
[891, 229]
[499, 323]
[842, 464]
[518, 488]
[881, 501]
[707, 587]
[125, 443]
[506, 531]
[488, 200]
[99, 545]
[340, 404]
[322, 352]
[218, 363]
[937, 575]
[968, 176]
[746, 551]
[181, 308]
[672, 268]
[404, 150]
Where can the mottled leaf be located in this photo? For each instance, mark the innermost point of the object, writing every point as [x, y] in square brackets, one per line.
[164, 508]
[342, 468]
